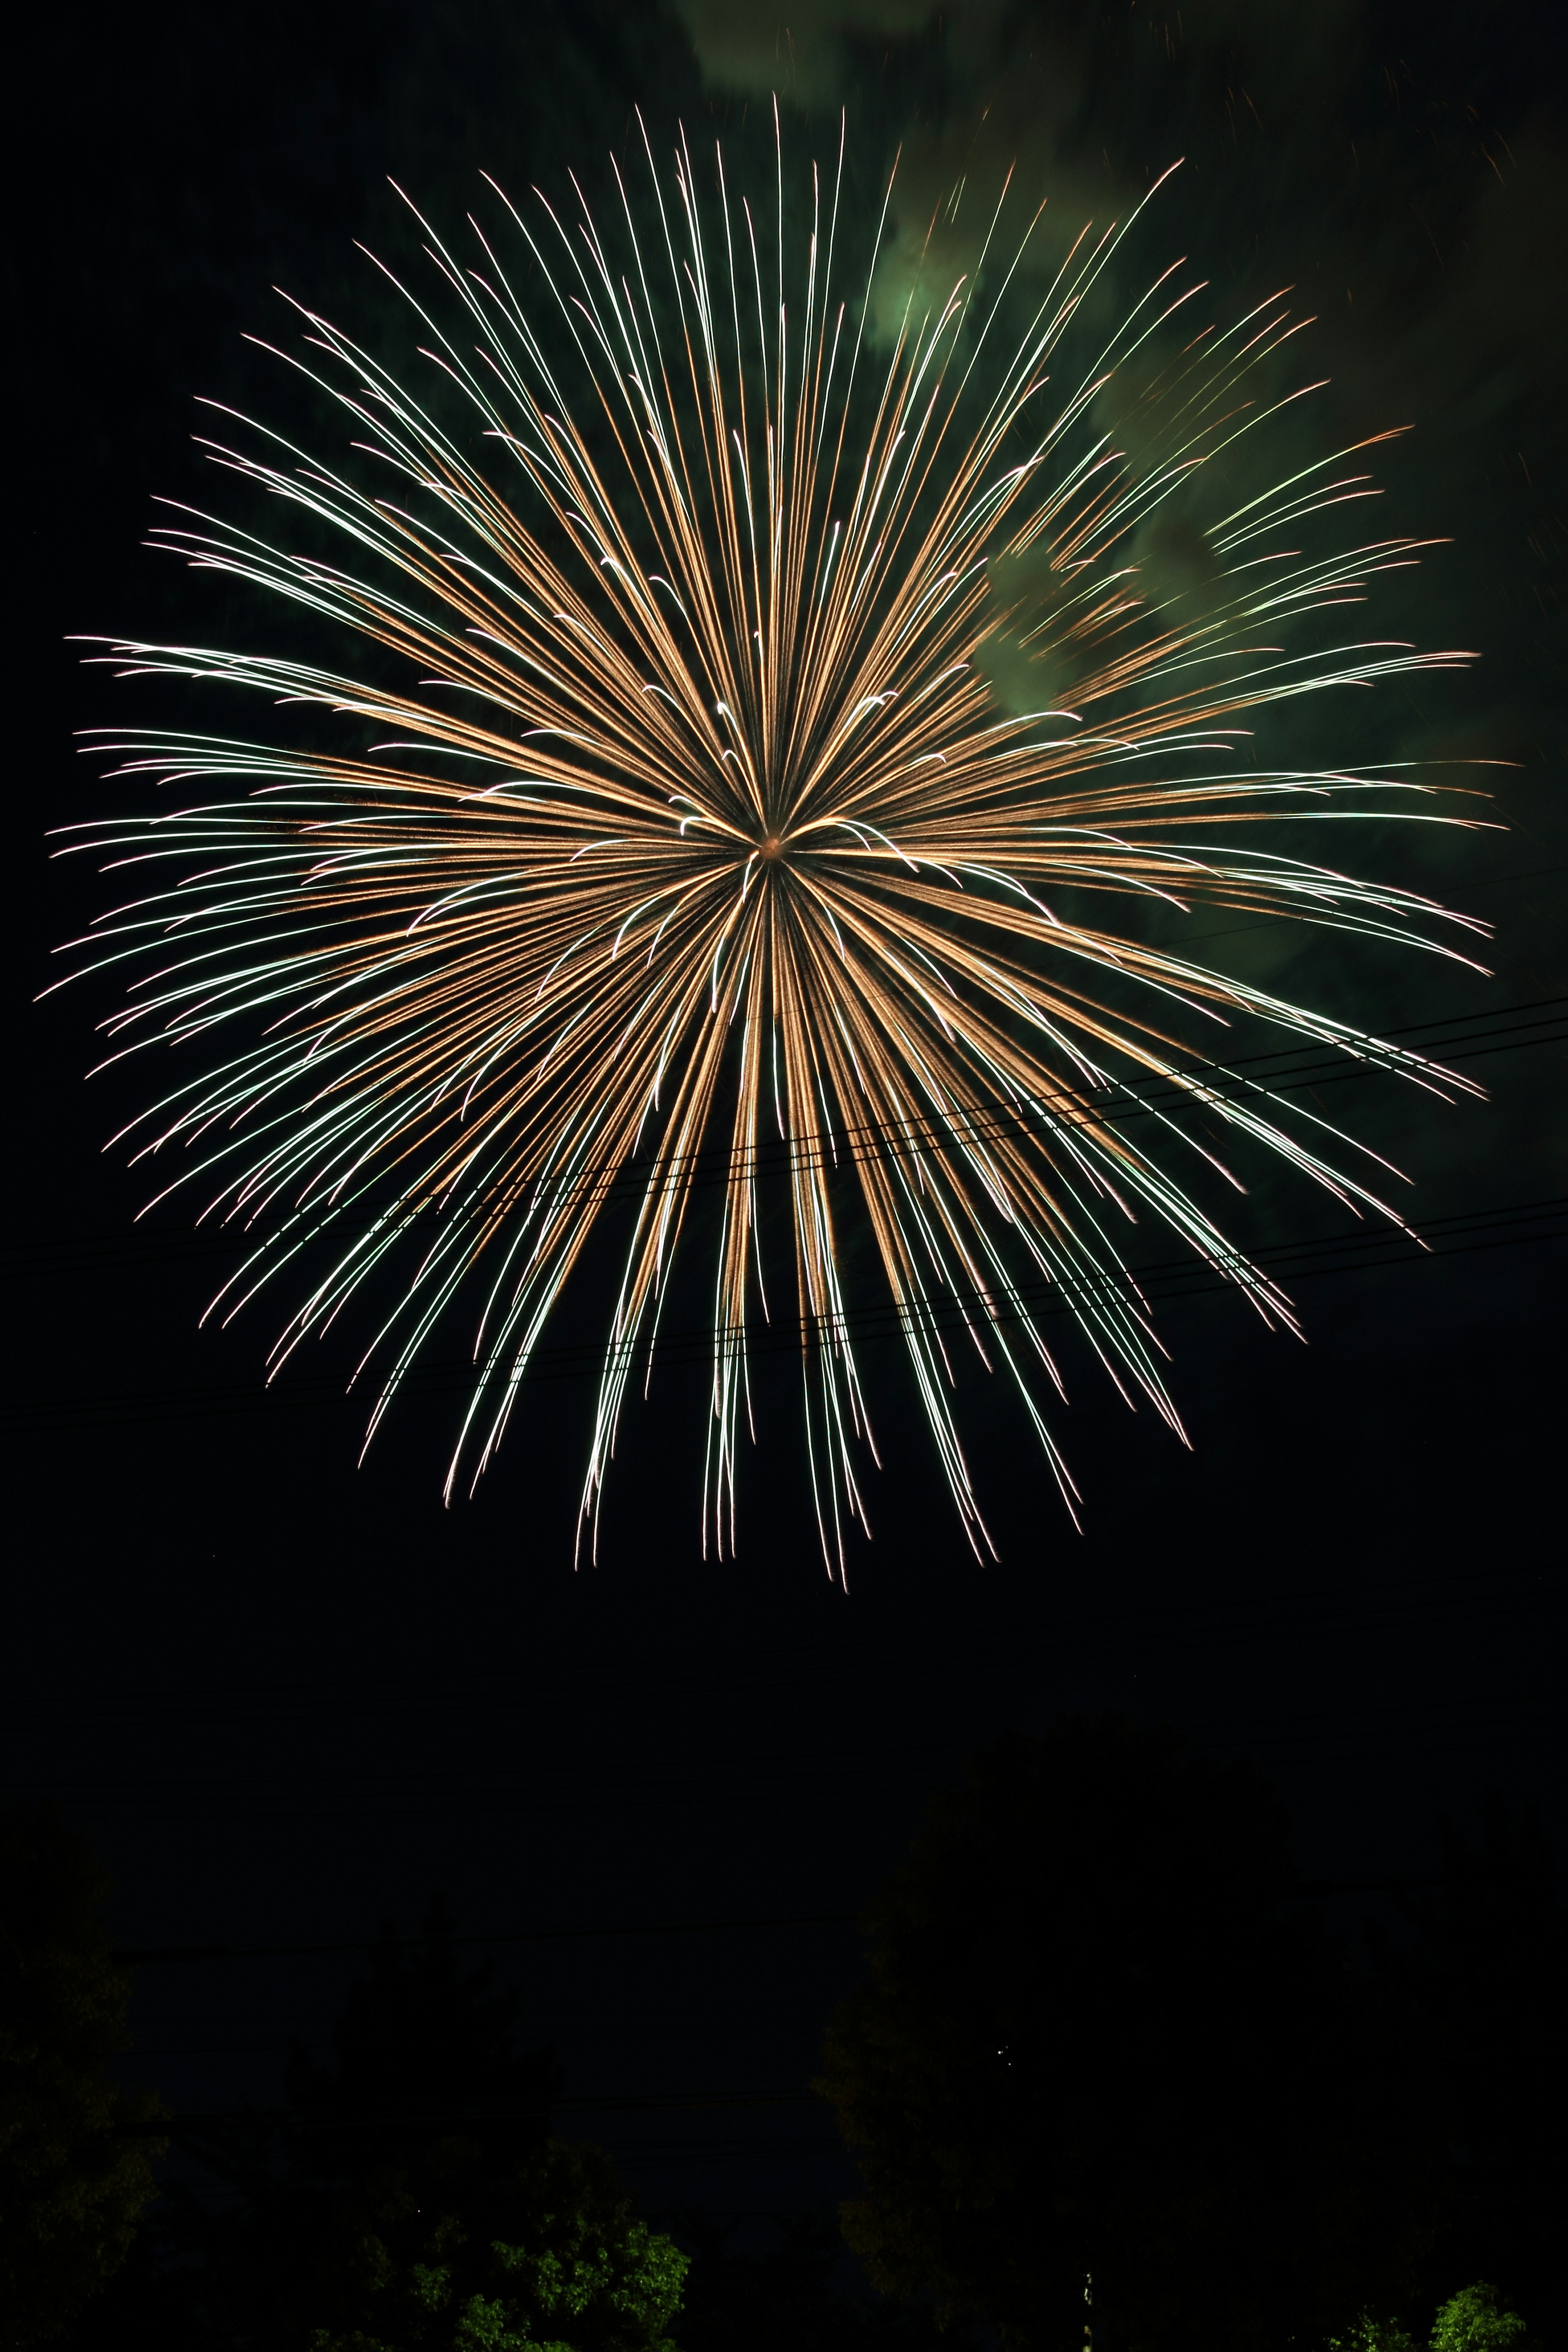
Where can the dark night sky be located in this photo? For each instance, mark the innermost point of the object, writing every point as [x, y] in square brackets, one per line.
[289, 1697]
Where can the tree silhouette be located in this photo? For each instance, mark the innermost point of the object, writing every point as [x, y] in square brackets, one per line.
[552, 2259]
[1486, 1987]
[73, 2179]
[789, 2297]
[420, 2053]
[1098, 2039]
[408, 2198]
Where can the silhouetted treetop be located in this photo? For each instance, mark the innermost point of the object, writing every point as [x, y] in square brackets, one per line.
[1098, 2038]
[72, 2181]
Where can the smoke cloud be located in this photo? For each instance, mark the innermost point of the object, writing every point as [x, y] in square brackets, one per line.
[800, 51]
[1406, 180]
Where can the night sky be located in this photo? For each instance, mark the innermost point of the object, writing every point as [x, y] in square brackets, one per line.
[289, 1697]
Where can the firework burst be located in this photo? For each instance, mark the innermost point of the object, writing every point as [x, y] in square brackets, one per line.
[774, 710]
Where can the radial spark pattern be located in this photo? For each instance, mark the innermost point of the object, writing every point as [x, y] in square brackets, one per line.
[777, 715]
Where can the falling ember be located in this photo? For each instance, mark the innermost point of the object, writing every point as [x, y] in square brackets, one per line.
[769, 746]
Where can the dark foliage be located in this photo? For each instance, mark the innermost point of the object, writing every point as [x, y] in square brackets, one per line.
[72, 2180]
[419, 2052]
[791, 2295]
[427, 2102]
[1098, 2039]
[373, 2204]
[1490, 1983]
[551, 2255]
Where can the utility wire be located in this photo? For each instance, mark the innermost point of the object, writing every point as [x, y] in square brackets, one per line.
[1368, 1743]
[364, 1947]
[1305, 1889]
[1521, 1222]
[780, 1780]
[656, 1774]
[922, 1136]
[1328, 1611]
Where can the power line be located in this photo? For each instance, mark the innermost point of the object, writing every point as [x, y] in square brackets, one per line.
[1525, 1223]
[1306, 1889]
[684, 2151]
[1148, 1635]
[1323, 1611]
[916, 1137]
[635, 2102]
[783, 1781]
[364, 1946]
[309, 1785]
[1369, 1743]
